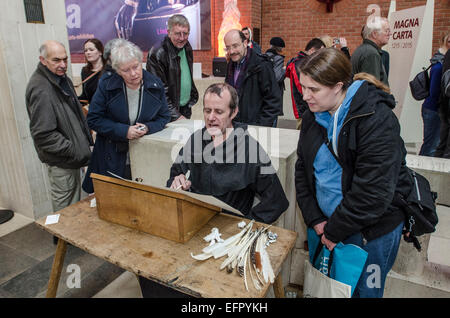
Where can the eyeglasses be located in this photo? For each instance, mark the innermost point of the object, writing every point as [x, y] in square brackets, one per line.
[233, 47]
[181, 34]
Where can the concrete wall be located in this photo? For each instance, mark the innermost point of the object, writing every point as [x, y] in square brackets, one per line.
[23, 185]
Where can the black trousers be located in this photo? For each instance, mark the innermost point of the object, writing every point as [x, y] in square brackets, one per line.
[443, 149]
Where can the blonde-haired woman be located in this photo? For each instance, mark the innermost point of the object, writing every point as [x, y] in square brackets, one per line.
[335, 42]
[351, 161]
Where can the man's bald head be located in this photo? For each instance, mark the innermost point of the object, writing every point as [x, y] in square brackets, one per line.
[235, 33]
[49, 45]
[235, 45]
[53, 55]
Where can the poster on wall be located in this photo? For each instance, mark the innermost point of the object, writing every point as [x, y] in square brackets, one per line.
[143, 22]
[405, 28]
[410, 49]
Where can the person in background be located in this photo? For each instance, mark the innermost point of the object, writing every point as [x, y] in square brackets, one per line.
[129, 103]
[274, 53]
[172, 62]
[251, 44]
[107, 54]
[430, 106]
[93, 70]
[253, 78]
[385, 58]
[292, 72]
[58, 127]
[443, 149]
[351, 161]
[367, 57]
[335, 42]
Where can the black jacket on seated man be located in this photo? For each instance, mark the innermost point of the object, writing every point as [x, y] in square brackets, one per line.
[164, 62]
[236, 172]
[258, 90]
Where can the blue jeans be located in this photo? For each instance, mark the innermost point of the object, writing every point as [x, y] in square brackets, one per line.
[381, 256]
[431, 132]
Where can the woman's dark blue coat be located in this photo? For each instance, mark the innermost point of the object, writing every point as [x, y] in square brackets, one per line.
[108, 116]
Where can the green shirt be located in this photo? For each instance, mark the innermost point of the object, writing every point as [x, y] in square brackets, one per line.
[185, 80]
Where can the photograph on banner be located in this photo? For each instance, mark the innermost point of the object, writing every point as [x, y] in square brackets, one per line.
[143, 22]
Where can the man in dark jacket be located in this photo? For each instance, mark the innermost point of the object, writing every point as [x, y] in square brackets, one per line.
[368, 57]
[277, 59]
[172, 62]
[253, 77]
[233, 166]
[57, 124]
[298, 104]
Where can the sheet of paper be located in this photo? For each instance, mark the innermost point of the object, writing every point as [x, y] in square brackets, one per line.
[201, 197]
[52, 219]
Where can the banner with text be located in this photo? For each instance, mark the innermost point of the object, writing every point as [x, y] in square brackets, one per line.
[143, 22]
[405, 28]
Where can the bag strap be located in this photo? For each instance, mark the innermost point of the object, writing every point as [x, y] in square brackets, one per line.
[87, 78]
[317, 253]
[412, 239]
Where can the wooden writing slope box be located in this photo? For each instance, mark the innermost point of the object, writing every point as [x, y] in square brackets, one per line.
[164, 213]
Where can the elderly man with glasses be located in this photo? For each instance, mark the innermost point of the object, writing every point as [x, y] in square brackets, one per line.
[252, 76]
[368, 57]
[172, 62]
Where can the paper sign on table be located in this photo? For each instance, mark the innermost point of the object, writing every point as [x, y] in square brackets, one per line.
[52, 219]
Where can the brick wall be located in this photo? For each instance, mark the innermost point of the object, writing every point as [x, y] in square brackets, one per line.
[297, 21]
[250, 16]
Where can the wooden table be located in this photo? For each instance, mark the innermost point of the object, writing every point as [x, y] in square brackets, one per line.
[163, 261]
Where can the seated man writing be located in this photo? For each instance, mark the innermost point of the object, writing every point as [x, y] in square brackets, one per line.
[226, 162]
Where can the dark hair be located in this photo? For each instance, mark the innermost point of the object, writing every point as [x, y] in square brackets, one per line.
[446, 64]
[315, 43]
[99, 46]
[328, 67]
[243, 38]
[250, 37]
[218, 88]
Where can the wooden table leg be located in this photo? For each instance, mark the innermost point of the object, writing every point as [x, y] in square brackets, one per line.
[278, 288]
[57, 266]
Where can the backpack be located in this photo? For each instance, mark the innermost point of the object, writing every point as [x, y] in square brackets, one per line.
[445, 82]
[419, 208]
[420, 85]
[277, 65]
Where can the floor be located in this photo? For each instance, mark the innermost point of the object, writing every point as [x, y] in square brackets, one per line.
[25, 265]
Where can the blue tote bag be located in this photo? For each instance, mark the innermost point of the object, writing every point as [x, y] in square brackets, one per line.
[344, 264]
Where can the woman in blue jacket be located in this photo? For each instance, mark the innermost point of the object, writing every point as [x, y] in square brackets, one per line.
[128, 104]
[351, 161]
